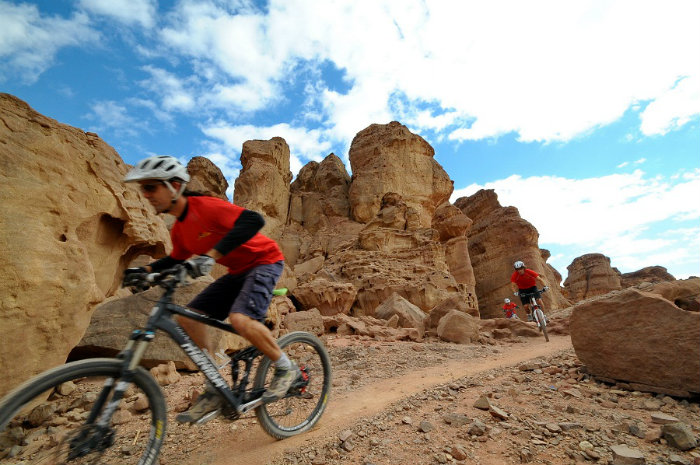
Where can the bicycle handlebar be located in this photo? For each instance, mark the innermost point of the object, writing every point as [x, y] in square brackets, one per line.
[534, 293]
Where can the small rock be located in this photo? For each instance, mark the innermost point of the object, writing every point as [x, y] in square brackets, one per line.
[679, 435]
[141, 403]
[458, 453]
[455, 419]
[638, 430]
[66, 388]
[585, 445]
[675, 459]
[425, 426]
[477, 428]
[482, 403]
[498, 413]
[661, 418]
[552, 427]
[625, 455]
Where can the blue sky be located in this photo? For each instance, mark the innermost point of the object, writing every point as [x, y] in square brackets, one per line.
[583, 115]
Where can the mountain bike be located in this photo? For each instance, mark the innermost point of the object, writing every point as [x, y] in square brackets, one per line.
[537, 313]
[112, 409]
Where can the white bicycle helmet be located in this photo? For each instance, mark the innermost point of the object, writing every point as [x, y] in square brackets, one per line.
[163, 167]
[507, 301]
[518, 264]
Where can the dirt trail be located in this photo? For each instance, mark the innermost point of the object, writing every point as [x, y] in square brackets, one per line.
[252, 446]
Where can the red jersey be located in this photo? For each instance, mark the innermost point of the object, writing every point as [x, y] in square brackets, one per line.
[209, 219]
[509, 309]
[525, 280]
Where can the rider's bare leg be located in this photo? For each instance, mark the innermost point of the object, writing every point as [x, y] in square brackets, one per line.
[197, 331]
[257, 334]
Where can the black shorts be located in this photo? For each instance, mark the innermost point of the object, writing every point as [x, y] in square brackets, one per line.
[249, 293]
[526, 292]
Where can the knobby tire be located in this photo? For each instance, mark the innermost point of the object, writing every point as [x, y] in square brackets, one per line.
[543, 323]
[302, 407]
[35, 408]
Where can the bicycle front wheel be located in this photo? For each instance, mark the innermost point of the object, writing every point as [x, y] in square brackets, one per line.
[305, 402]
[54, 418]
[542, 323]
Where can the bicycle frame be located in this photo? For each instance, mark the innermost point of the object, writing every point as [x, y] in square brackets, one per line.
[161, 319]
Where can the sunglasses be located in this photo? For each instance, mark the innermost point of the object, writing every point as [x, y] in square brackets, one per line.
[150, 187]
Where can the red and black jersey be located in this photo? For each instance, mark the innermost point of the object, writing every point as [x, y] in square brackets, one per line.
[525, 280]
[206, 222]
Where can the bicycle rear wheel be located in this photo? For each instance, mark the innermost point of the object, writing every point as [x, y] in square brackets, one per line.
[305, 402]
[542, 322]
[50, 419]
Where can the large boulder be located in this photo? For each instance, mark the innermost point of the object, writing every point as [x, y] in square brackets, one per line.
[497, 238]
[389, 158]
[113, 321]
[409, 316]
[458, 327]
[590, 275]
[639, 338]
[263, 184]
[68, 228]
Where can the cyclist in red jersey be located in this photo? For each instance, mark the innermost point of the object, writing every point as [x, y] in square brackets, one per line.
[209, 230]
[509, 309]
[524, 281]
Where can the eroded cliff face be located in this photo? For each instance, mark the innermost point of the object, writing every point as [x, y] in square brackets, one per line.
[354, 242]
[389, 158]
[263, 184]
[68, 228]
[590, 275]
[499, 237]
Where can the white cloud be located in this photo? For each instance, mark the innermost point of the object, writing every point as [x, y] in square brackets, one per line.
[614, 215]
[174, 91]
[29, 41]
[549, 71]
[129, 12]
[113, 116]
[673, 108]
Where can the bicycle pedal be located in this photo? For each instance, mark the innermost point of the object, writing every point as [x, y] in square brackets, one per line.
[208, 417]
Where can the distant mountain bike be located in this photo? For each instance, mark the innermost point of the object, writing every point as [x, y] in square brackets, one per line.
[112, 409]
[537, 313]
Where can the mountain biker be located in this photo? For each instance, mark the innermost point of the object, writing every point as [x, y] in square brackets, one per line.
[509, 309]
[209, 230]
[524, 281]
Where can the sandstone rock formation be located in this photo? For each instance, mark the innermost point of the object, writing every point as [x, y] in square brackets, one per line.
[497, 238]
[684, 293]
[319, 193]
[590, 275]
[416, 247]
[639, 338]
[650, 274]
[69, 226]
[263, 184]
[388, 158]
[206, 178]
